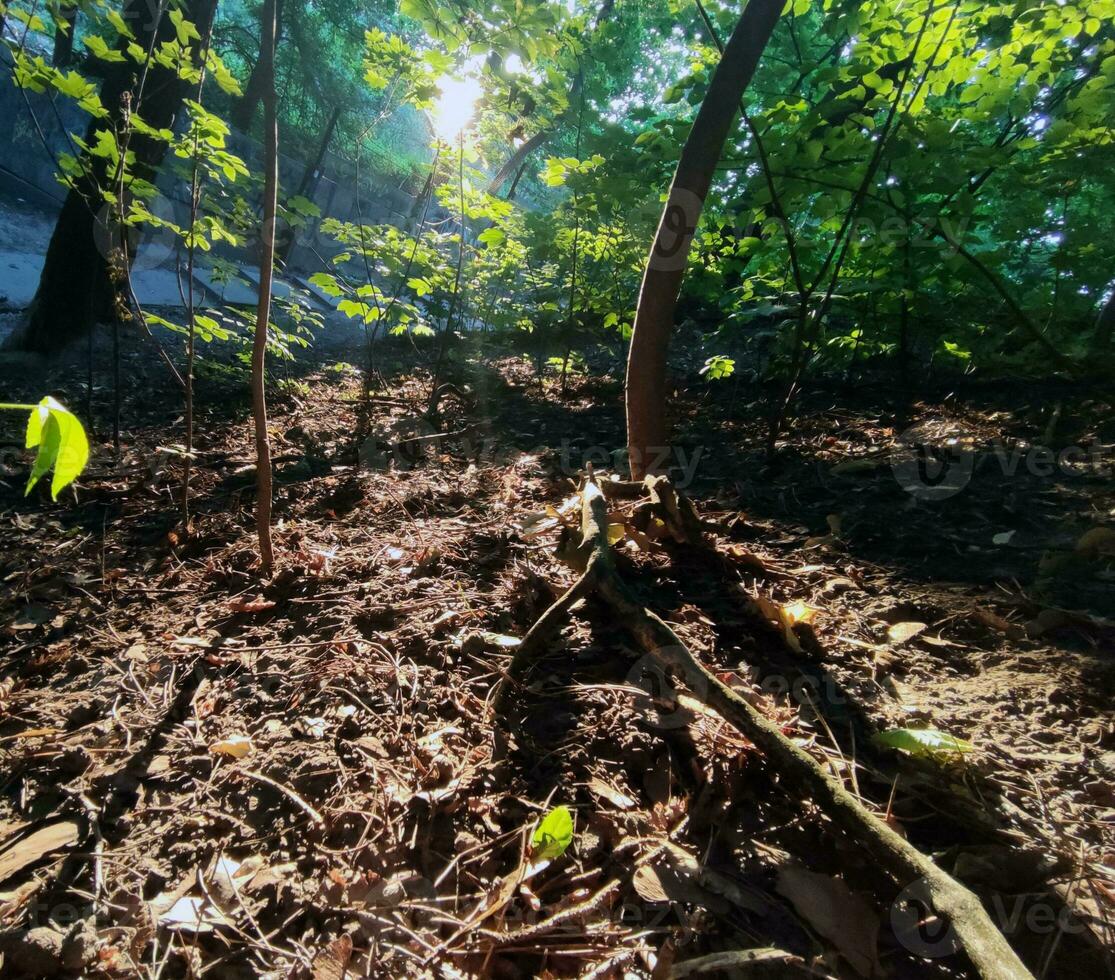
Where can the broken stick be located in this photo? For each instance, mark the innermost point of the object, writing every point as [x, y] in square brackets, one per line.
[975, 934]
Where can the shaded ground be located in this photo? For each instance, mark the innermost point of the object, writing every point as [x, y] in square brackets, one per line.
[380, 815]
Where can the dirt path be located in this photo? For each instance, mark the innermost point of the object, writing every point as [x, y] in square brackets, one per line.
[282, 778]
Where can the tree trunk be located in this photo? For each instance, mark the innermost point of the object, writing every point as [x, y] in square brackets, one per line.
[519, 157]
[64, 37]
[308, 182]
[76, 287]
[665, 268]
[1105, 327]
[266, 262]
[244, 110]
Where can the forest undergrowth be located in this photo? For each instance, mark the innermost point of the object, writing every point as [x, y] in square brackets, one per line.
[223, 776]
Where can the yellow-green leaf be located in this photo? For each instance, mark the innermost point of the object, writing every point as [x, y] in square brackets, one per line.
[553, 834]
[61, 442]
[924, 742]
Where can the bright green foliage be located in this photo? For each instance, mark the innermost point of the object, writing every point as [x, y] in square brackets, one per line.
[61, 442]
[553, 835]
[390, 62]
[718, 367]
[918, 180]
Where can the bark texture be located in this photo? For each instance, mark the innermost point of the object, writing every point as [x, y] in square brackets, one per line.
[665, 268]
[263, 311]
[244, 110]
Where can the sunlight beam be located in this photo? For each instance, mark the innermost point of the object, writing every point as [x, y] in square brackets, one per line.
[453, 110]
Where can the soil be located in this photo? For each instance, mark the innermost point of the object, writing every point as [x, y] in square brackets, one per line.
[298, 775]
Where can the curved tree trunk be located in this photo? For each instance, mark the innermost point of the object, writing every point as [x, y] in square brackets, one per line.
[519, 157]
[75, 287]
[665, 268]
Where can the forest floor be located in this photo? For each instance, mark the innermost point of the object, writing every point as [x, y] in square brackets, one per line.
[206, 773]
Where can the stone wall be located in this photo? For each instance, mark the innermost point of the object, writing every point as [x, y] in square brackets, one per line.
[28, 169]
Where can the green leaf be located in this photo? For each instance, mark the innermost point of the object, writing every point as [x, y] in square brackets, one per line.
[304, 206]
[105, 146]
[121, 27]
[553, 835]
[62, 444]
[718, 367]
[327, 284]
[183, 28]
[99, 47]
[924, 742]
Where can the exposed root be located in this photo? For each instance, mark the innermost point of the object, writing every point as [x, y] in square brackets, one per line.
[801, 775]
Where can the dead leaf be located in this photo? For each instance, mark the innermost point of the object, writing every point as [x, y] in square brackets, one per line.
[610, 793]
[20, 854]
[901, 633]
[799, 612]
[996, 622]
[194, 915]
[331, 963]
[32, 616]
[1098, 541]
[672, 874]
[237, 746]
[250, 605]
[747, 558]
[836, 913]
[787, 617]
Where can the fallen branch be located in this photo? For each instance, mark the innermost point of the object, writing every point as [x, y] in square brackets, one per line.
[742, 960]
[975, 934]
